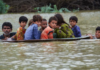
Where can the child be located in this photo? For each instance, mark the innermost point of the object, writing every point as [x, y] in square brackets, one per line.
[30, 22]
[76, 29]
[48, 31]
[32, 31]
[21, 30]
[97, 34]
[43, 26]
[63, 30]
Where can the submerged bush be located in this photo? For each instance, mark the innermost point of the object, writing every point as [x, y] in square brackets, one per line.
[3, 7]
[49, 9]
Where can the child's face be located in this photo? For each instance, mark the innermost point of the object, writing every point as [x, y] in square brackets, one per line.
[38, 23]
[53, 24]
[72, 23]
[44, 24]
[97, 34]
[23, 24]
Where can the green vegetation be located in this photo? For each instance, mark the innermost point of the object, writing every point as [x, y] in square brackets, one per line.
[3, 7]
[49, 9]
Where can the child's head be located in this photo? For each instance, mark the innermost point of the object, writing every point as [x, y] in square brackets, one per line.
[97, 34]
[60, 19]
[30, 22]
[44, 23]
[53, 22]
[6, 28]
[23, 21]
[73, 20]
[37, 19]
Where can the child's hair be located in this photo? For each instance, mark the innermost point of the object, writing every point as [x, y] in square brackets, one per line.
[60, 19]
[73, 18]
[37, 18]
[44, 20]
[23, 18]
[30, 22]
[7, 24]
[98, 28]
[53, 18]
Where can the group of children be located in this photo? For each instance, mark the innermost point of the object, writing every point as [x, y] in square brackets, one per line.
[57, 28]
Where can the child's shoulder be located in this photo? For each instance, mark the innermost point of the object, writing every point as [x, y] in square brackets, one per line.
[77, 26]
[47, 29]
[34, 25]
[20, 29]
[64, 25]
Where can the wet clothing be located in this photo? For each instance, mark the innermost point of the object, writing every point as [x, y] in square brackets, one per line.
[47, 33]
[31, 32]
[11, 34]
[40, 31]
[64, 31]
[76, 31]
[20, 34]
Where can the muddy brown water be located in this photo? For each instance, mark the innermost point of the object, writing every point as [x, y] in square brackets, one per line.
[67, 55]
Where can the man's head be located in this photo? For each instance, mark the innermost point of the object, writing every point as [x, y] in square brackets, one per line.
[53, 22]
[73, 20]
[6, 28]
[97, 34]
[44, 23]
[23, 21]
[37, 19]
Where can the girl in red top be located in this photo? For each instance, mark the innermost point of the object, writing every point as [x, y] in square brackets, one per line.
[47, 33]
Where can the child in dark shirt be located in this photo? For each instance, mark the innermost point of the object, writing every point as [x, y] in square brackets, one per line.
[76, 29]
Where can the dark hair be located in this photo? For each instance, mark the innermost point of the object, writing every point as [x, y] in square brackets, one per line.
[53, 18]
[37, 18]
[30, 22]
[73, 18]
[44, 20]
[60, 19]
[23, 18]
[7, 24]
[98, 28]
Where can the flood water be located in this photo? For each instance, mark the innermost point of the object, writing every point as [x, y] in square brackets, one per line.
[67, 55]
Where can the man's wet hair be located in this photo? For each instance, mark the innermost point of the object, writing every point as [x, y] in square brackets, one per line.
[23, 18]
[7, 24]
[73, 18]
[98, 28]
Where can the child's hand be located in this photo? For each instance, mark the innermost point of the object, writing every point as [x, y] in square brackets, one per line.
[91, 37]
[70, 26]
[5, 38]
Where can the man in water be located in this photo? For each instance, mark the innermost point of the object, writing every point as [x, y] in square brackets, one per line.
[97, 34]
[7, 28]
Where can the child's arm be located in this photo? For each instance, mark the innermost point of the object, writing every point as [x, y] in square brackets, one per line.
[68, 31]
[20, 34]
[35, 32]
[13, 37]
[44, 35]
[78, 32]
